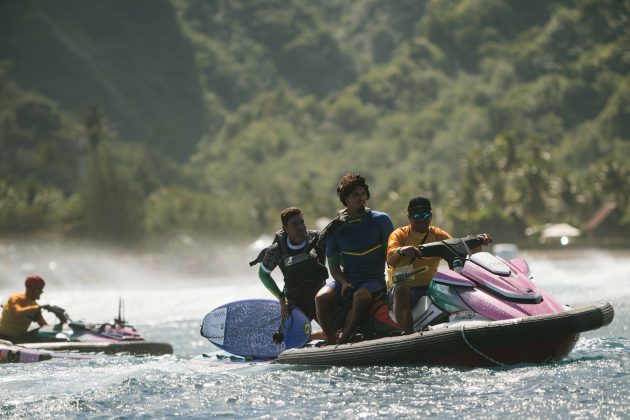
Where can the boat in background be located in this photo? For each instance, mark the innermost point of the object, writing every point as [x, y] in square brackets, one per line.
[117, 337]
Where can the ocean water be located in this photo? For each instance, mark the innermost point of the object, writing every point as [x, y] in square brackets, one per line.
[167, 303]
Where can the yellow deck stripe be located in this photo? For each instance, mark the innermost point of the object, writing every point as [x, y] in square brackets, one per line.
[362, 253]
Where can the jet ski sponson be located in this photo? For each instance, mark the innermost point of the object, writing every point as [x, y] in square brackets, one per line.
[532, 339]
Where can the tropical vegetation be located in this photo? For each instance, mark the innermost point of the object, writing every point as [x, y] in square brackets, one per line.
[133, 121]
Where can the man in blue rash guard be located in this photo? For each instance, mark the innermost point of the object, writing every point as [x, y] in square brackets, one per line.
[359, 247]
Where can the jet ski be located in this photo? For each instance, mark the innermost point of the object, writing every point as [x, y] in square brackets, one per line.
[481, 311]
[117, 337]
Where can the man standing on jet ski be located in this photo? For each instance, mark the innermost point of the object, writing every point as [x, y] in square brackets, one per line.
[408, 273]
[359, 247]
[20, 310]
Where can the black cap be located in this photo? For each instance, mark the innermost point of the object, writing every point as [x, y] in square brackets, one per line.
[419, 202]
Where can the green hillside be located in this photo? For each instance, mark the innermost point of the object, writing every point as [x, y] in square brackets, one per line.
[129, 57]
[507, 114]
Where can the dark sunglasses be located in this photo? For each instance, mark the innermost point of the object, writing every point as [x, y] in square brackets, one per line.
[426, 214]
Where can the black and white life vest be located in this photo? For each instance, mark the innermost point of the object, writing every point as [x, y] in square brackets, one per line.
[304, 270]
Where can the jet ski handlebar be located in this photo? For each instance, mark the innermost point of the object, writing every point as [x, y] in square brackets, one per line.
[59, 312]
[453, 251]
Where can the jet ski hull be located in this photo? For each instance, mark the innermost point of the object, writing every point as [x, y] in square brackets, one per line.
[531, 339]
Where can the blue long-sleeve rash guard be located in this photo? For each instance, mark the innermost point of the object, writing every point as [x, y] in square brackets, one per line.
[361, 247]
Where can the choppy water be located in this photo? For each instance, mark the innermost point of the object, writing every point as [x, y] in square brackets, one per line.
[592, 382]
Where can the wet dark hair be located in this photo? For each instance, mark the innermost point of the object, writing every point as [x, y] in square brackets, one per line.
[288, 213]
[348, 183]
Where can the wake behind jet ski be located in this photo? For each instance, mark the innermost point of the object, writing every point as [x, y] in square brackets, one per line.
[482, 310]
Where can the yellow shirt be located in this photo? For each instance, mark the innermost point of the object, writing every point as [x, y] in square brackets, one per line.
[17, 314]
[405, 236]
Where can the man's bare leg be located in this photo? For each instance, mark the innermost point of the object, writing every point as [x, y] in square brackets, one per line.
[402, 309]
[360, 304]
[325, 303]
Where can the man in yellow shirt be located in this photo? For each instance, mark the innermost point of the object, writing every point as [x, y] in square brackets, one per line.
[20, 310]
[404, 260]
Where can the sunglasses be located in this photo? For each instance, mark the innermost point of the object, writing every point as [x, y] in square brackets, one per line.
[425, 215]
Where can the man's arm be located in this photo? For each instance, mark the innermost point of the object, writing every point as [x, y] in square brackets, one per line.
[334, 266]
[40, 320]
[24, 310]
[397, 250]
[270, 284]
[485, 238]
[387, 227]
[330, 229]
[393, 245]
[333, 253]
[268, 264]
[28, 311]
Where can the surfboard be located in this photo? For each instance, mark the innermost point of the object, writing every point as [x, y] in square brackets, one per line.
[246, 328]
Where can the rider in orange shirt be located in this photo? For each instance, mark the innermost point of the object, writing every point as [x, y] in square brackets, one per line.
[404, 259]
[20, 310]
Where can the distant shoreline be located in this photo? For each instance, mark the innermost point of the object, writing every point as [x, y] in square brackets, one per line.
[574, 252]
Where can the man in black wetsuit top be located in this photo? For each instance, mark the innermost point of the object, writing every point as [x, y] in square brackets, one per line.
[301, 255]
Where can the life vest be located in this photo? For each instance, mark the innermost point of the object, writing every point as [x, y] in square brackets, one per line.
[304, 270]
